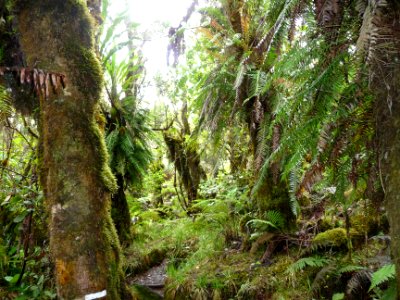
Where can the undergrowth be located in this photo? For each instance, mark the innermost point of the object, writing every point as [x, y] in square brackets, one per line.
[207, 257]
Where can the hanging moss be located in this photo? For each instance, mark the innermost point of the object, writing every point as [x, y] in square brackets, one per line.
[104, 170]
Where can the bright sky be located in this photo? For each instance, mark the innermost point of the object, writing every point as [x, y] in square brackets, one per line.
[150, 14]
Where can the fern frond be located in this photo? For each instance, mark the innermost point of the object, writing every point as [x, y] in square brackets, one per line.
[6, 108]
[384, 274]
[350, 269]
[261, 224]
[276, 218]
[293, 187]
[273, 219]
[281, 12]
[302, 263]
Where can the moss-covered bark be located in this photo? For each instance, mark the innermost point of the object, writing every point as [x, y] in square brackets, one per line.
[382, 20]
[57, 36]
[187, 163]
[120, 212]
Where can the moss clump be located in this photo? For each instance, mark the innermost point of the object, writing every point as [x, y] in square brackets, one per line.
[335, 237]
[86, 72]
[364, 224]
[327, 223]
[104, 170]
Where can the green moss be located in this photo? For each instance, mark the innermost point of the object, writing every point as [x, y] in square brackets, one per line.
[363, 224]
[144, 293]
[150, 215]
[327, 222]
[332, 237]
[86, 72]
[104, 170]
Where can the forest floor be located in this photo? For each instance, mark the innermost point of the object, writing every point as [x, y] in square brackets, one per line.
[154, 278]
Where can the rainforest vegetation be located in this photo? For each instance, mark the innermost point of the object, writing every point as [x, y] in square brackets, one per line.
[269, 170]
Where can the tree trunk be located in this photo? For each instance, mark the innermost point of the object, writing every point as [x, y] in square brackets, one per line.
[185, 158]
[382, 23]
[57, 36]
[120, 212]
[181, 157]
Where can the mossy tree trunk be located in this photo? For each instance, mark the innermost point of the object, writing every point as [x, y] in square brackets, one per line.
[186, 162]
[382, 21]
[120, 212]
[57, 36]
[186, 159]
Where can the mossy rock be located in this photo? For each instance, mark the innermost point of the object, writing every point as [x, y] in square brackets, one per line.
[153, 258]
[335, 237]
[364, 224]
[327, 223]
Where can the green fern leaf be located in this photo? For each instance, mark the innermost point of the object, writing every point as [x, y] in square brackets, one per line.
[276, 218]
[302, 263]
[260, 224]
[384, 274]
[350, 269]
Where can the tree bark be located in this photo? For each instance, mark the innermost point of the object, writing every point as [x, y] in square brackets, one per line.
[382, 23]
[120, 212]
[57, 36]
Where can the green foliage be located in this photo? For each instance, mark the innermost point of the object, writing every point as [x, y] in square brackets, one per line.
[338, 296]
[6, 109]
[128, 133]
[302, 263]
[288, 109]
[273, 220]
[25, 268]
[384, 274]
[128, 148]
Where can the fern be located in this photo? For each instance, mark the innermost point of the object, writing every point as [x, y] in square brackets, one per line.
[350, 269]
[293, 185]
[384, 274]
[273, 219]
[302, 263]
[276, 218]
[6, 108]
